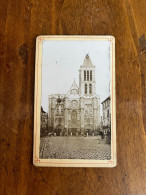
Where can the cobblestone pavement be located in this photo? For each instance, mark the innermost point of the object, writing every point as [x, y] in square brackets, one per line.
[75, 148]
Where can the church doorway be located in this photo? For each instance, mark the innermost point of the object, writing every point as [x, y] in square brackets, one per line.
[74, 131]
[59, 130]
[89, 129]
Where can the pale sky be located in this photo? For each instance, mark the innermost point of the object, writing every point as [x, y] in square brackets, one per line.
[61, 61]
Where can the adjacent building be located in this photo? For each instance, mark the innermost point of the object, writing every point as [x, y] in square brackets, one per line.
[78, 111]
[106, 118]
[44, 119]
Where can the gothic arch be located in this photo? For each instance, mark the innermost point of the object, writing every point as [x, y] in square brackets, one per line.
[59, 129]
[89, 129]
[85, 89]
[74, 115]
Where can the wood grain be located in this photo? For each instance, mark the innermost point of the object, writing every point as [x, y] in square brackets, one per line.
[20, 22]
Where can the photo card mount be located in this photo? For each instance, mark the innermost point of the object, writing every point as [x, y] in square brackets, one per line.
[75, 102]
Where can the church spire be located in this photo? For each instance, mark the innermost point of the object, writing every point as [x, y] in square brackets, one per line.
[74, 89]
[87, 61]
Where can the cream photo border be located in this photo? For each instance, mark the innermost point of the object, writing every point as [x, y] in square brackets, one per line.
[37, 107]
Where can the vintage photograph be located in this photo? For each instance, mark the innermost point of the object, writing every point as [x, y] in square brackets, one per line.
[75, 105]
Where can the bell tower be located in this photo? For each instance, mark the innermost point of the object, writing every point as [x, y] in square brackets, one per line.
[87, 83]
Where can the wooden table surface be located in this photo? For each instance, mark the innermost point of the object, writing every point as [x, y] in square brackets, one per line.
[20, 22]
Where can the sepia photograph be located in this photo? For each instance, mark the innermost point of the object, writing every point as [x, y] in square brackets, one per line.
[75, 101]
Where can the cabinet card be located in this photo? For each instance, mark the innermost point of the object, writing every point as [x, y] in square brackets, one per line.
[75, 105]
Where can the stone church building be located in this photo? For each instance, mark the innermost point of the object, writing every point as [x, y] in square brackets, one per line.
[78, 111]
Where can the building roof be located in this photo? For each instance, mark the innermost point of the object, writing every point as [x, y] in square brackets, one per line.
[87, 62]
[108, 98]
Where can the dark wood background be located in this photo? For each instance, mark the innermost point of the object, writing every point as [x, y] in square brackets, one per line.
[20, 22]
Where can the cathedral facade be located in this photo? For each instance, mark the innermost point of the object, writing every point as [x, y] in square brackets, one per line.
[78, 111]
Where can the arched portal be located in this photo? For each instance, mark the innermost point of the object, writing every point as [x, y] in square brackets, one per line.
[59, 129]
[89, 129]
[74, 116]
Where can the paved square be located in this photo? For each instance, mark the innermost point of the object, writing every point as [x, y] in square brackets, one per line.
[74, 148]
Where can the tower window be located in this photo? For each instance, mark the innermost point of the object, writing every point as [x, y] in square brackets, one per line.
[84, 75]
[90, 75]
[87, 75]
[90, 88]
[85, 88]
